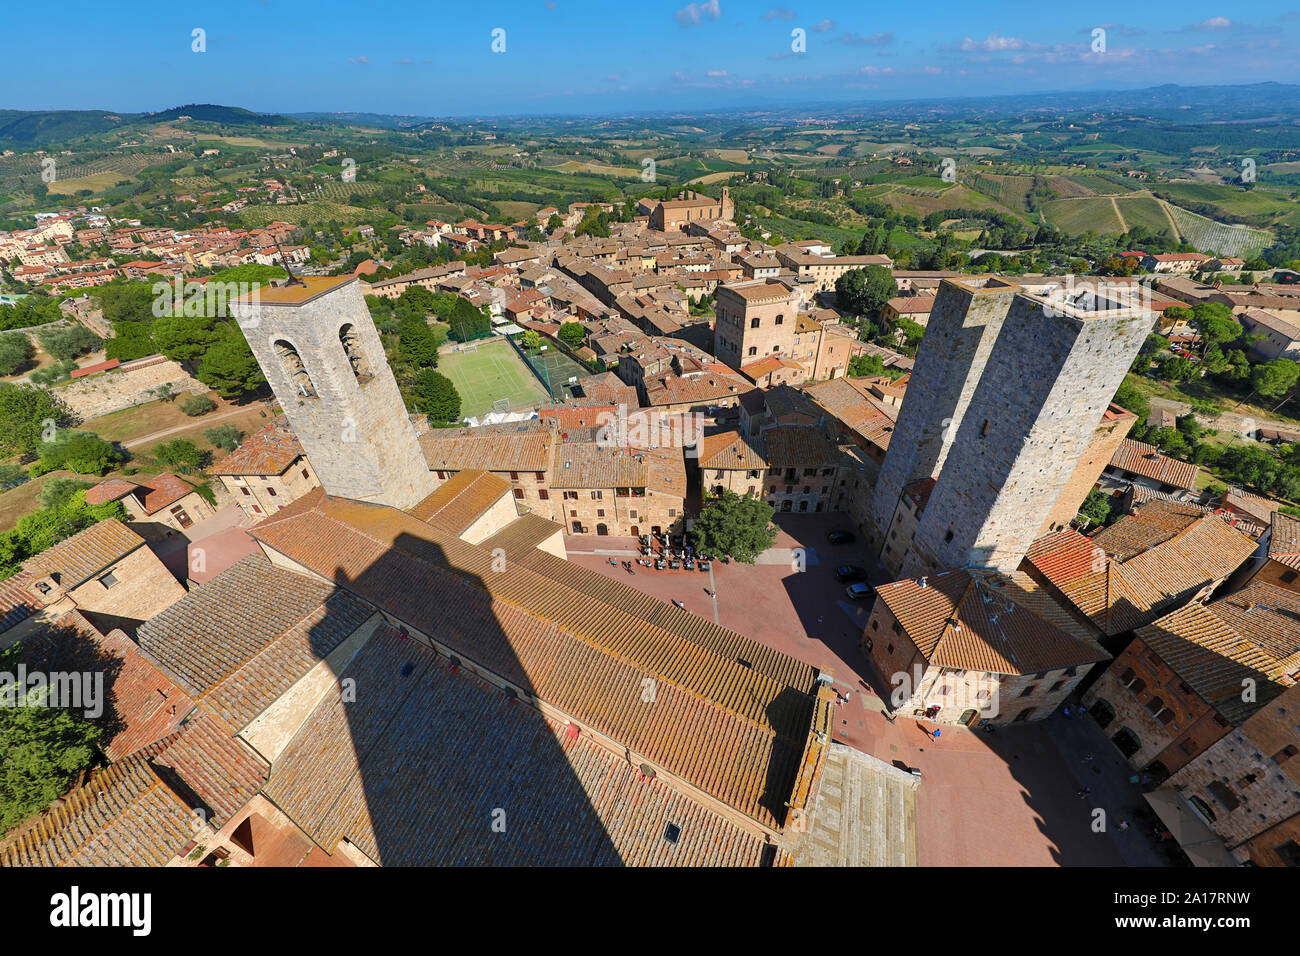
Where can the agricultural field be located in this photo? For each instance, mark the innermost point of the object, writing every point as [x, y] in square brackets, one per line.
[1210, 236]
[1144, 210]
[196, 183]
[96, 183]
[303, 214]
[337, 191]
[1096, 213]
[1259, 206]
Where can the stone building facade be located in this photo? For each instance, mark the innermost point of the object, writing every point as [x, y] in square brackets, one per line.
[1106, 438]
[754, 320]
[268, 471]
[1141, 702]
[1246, 786]
[322, 355]
[966, 688]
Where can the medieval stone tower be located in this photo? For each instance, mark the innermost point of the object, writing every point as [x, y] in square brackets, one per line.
[1012, 387]
[964, 323]
[319, 349]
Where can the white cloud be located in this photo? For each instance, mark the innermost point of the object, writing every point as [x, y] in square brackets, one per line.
[823, 26]
[693, 14]
[716, 73]
[779, 13]
[358, 59]
[993, 44]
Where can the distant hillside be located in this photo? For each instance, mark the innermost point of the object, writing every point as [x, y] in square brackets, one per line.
[21, 129]
[226, 115]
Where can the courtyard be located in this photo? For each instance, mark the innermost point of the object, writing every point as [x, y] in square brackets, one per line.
[1007, 798]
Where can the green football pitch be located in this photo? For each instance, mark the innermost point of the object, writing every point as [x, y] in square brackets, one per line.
[490, 372]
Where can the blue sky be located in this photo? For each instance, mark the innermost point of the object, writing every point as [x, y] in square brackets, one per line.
[612, 56]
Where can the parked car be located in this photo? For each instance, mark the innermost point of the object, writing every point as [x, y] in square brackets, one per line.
[840, 537]
[850, 572]
[858, 591]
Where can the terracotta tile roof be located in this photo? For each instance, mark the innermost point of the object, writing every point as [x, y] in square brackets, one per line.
[1269, 617]
[143, 705]
[268, 452]
[207, 637]
[984, 621]
[515, 446]
[730, 450]
[462, 500]
[698, 388]
[608, 387]
[799, 446]
[589, 465]
[222, 770]
[717, 723]
[111, 489]
[1146, 563]
[465, 749]
[850, 401]
[521, 536]
[772, 663]
[164, 490]
[1284, 540]
[125, 816]
[16, 602]
[575, 417]
[1143, 459]
[767, 365]
[74, 560]
[1203, 646]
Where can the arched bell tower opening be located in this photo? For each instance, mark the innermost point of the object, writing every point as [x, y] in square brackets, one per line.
[318, 346]
[350, 339]
[294, 369]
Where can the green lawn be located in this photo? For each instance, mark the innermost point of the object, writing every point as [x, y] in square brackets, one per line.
[491, 372]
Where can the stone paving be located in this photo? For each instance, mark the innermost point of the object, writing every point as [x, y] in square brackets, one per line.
[1001, 799]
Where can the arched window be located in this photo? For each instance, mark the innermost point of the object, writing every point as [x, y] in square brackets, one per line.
[1201, 807]
[294, 370]
[753, 323]
[753, 350]
[780, 319]
[351, 341]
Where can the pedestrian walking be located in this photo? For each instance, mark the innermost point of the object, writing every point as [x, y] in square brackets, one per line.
[935, 735]
[1066, 711]
[1123, 825]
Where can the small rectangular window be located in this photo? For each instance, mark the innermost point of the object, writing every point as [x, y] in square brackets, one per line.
[108, 580]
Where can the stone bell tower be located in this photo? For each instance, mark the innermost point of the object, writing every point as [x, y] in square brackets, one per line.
[319, 349]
